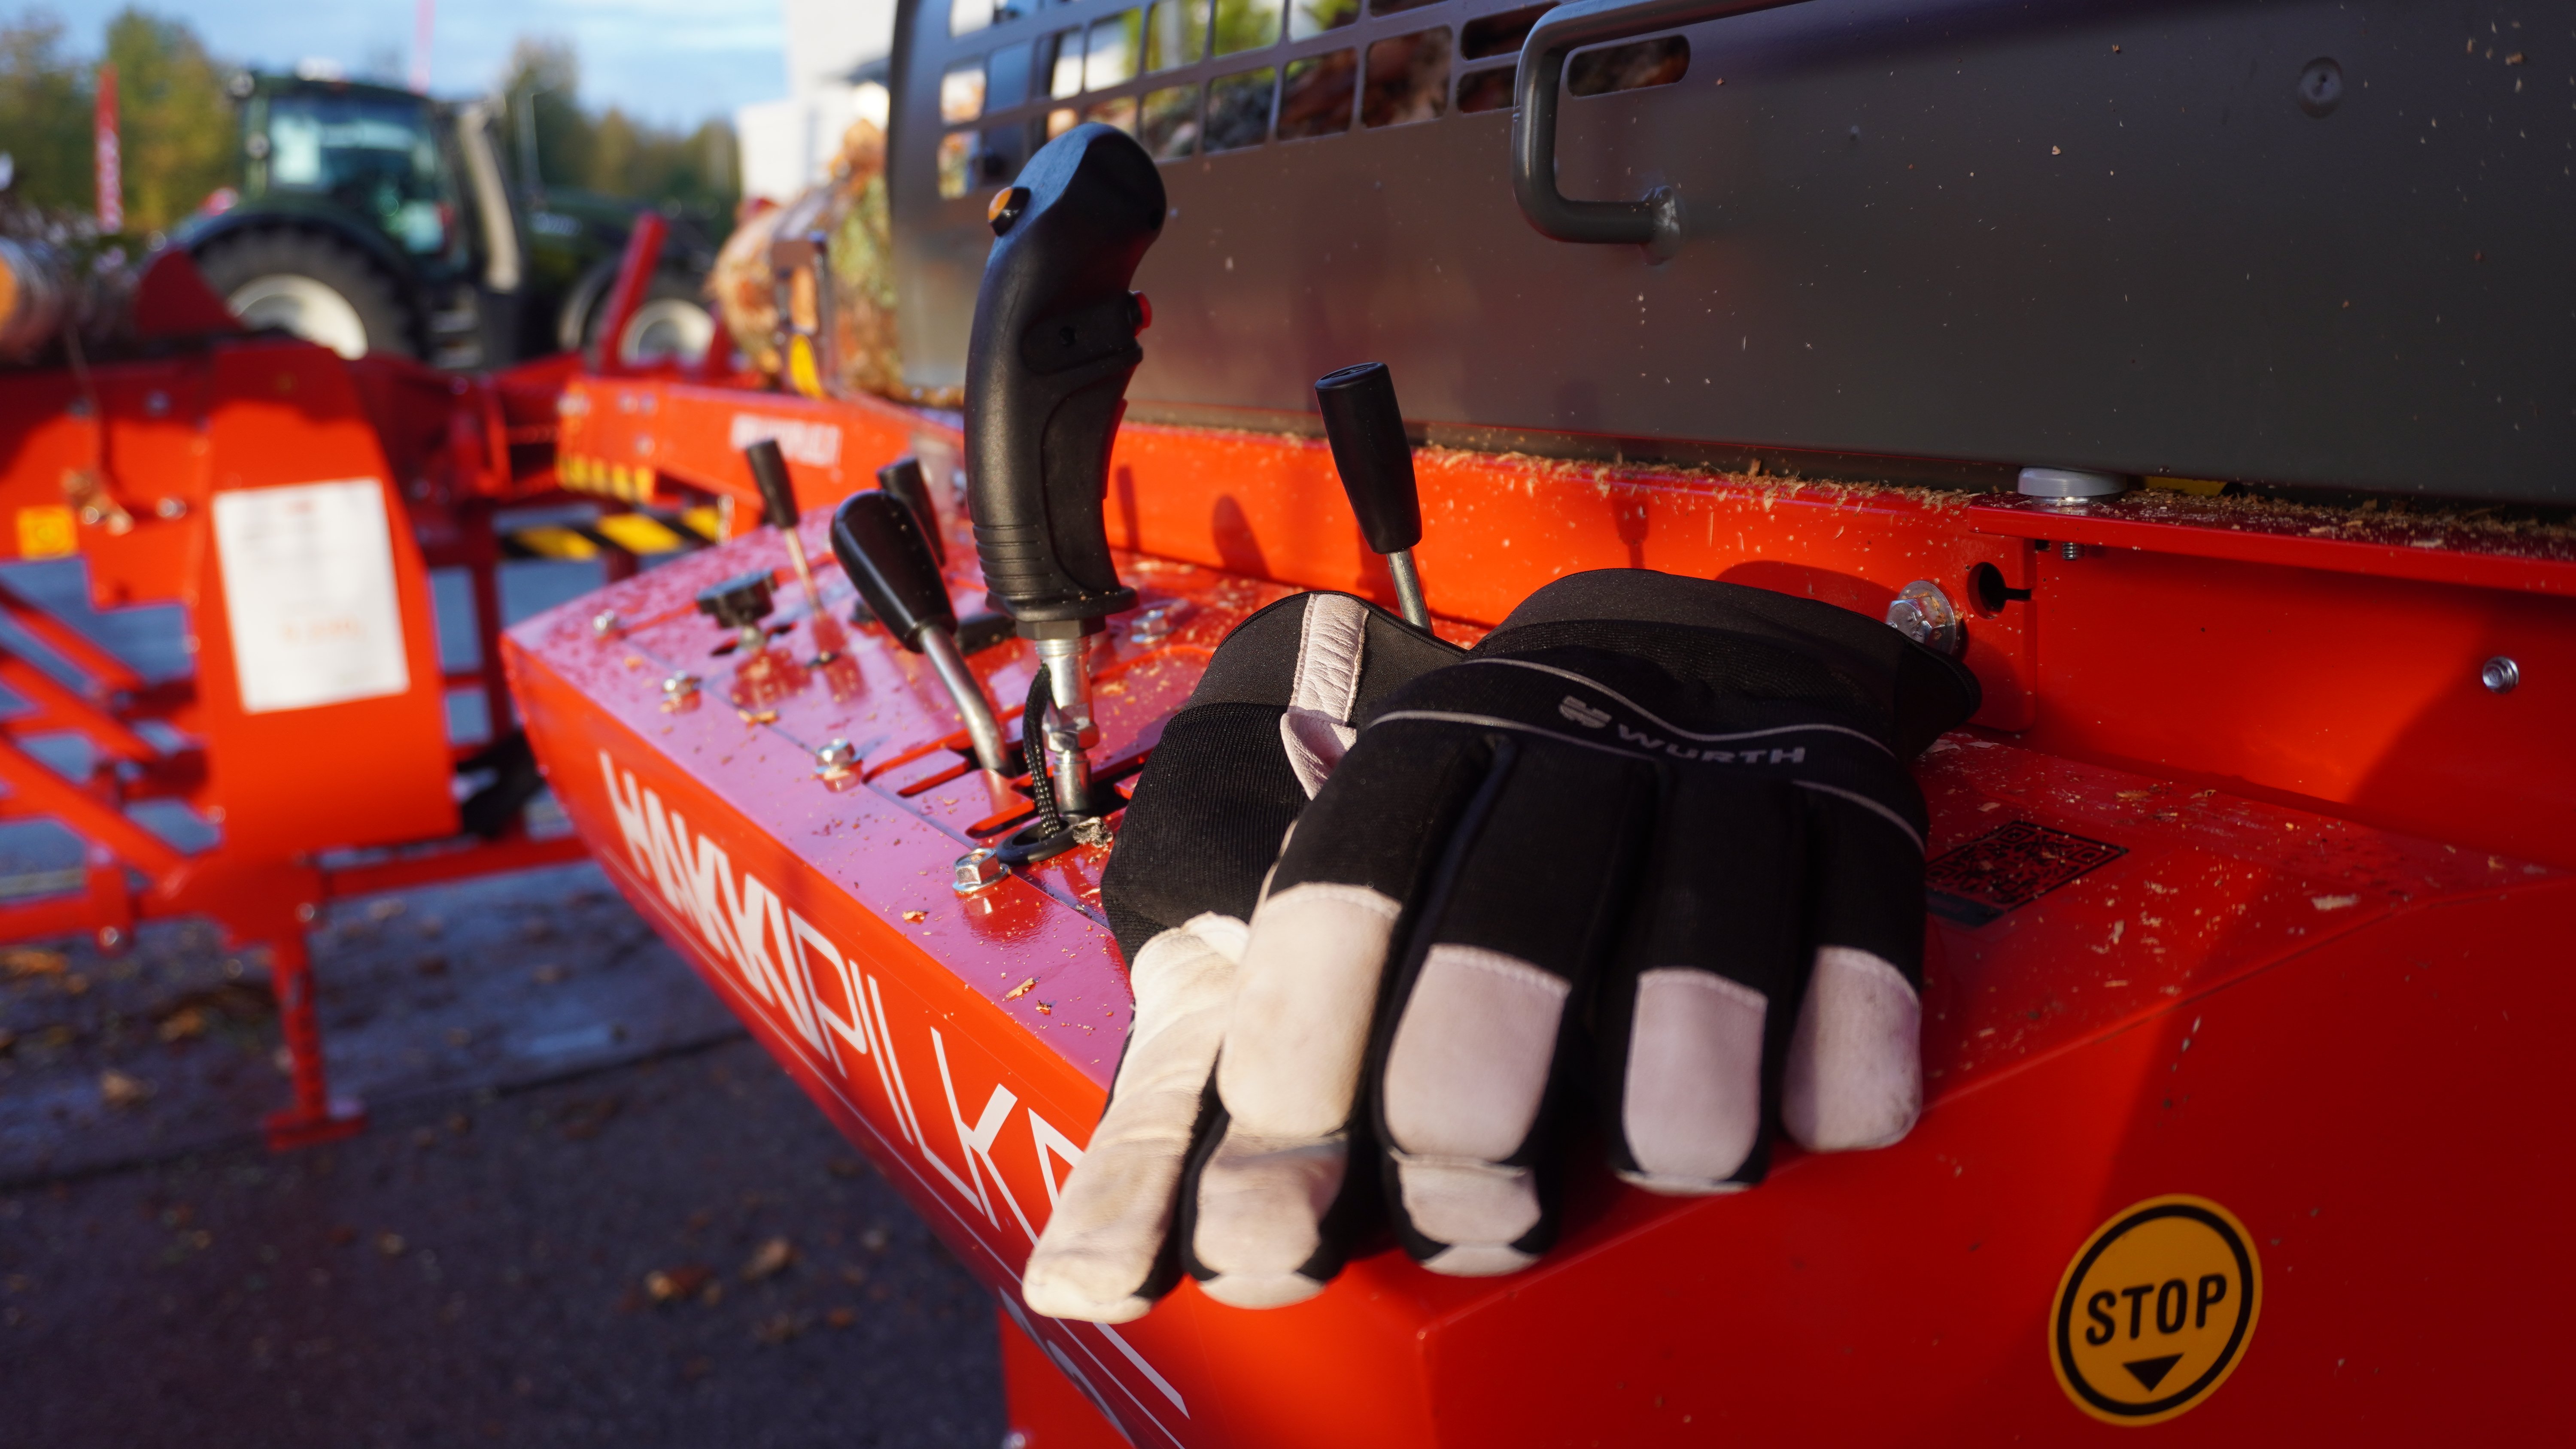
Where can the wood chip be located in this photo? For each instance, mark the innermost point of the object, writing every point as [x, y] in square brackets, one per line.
[1023, 989]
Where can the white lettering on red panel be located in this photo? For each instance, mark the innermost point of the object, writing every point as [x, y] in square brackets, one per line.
[812, 992]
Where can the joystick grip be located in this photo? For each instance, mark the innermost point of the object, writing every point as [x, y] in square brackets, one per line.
[1047, 364]
[881, 547]
[777, 495]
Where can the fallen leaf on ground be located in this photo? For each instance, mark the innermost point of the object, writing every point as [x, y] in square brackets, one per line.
[771, 1258]
[669, 1285]
[20, 961]
[583, 1119]
[118, 1089]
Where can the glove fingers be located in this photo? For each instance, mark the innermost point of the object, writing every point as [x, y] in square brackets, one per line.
[1106, 1253]
[1265, 1197]
[1513, 928]
[1854, 1075]
[1695, 1017]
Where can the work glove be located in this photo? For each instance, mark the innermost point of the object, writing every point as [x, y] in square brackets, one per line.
[1651, 844]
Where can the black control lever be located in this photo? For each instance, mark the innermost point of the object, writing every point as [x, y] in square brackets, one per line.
[1047, 363]
[903, 481]
[778, 509]
[1376, 465]
[886, 553]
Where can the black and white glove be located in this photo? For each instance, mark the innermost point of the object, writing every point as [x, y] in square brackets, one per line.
[1654, 837]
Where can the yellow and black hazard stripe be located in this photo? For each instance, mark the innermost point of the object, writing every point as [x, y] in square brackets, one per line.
[643, 534]
[583, 473]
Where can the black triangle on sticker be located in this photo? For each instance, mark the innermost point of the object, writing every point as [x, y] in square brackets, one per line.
[2150, 1372]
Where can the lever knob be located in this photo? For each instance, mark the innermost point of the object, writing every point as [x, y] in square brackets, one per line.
[777, 495]
[740, 602]
[1047, 363]
[882, 547]
[902, 479]
[1369, 450]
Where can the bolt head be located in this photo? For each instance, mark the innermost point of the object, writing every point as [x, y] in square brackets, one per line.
[1923, 613]
[837, 757]
[977, 869]
[680, 685]
[2500, 675]
[605, 623]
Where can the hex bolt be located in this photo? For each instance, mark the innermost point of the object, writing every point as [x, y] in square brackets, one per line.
[837, 758]
[977, 869]
[2500, 675]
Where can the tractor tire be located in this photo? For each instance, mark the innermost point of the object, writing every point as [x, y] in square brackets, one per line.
[674, 320]
[320, 289]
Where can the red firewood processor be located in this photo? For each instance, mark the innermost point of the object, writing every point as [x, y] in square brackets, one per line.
[1899, 802]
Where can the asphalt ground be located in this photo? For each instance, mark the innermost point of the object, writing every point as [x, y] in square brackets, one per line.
[586, 1210]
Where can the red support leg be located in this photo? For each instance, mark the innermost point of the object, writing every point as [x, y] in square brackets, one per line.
[317, 1116]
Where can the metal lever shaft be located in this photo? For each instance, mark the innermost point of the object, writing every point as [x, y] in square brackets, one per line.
[880, 546]
[1376, 463]
[778, 508]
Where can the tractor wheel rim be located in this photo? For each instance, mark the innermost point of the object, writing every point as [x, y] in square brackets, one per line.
[663, 329]
[309, 309]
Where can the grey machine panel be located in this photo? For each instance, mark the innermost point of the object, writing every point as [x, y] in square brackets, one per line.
[2322, 244]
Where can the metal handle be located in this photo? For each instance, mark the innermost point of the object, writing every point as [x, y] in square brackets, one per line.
[1655, 221]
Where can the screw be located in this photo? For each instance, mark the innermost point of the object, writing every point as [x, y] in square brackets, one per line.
[1923, 613]
[605, 623]
[2500, 675]
[2070, 550]
[836, 758]
[977, 869]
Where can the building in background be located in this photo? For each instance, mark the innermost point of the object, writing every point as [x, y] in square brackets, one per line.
[836, 73]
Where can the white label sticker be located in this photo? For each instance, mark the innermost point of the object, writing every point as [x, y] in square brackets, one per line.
[816, 445]
[308, 574]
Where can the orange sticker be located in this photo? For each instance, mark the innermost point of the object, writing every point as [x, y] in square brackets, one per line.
[2156, 1310]
[47, 531]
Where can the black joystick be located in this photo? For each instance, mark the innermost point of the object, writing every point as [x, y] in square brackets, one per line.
[886, 552]
[1047, 363]
[739, 603]
[778, 510]
[1376, 465]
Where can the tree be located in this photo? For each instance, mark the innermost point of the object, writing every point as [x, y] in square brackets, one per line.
[178, 136]
[45, 114]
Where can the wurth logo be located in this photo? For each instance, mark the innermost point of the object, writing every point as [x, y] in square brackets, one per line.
[1651, 744]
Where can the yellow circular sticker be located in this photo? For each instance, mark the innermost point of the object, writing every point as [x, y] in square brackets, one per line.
[2156, 1310]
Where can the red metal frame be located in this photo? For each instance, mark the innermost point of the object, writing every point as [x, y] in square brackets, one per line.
[2313, 988]
[121, 463]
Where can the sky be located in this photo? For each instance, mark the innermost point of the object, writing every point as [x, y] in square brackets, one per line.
[673, 62]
